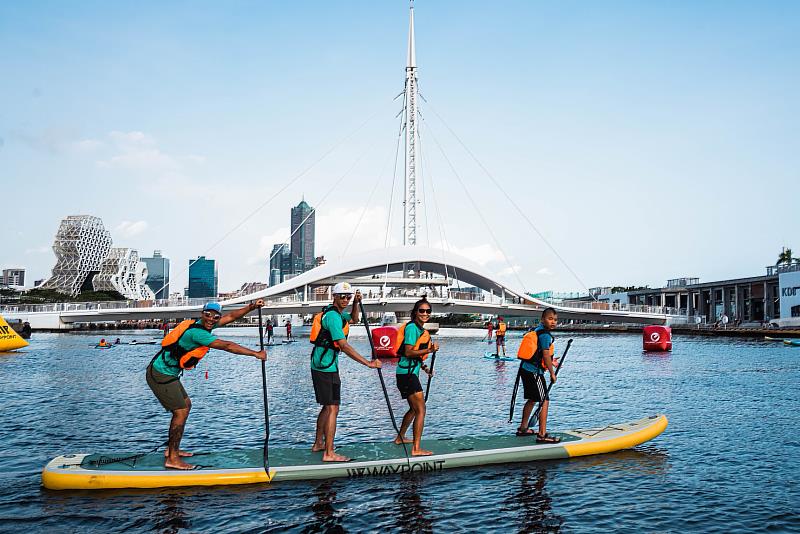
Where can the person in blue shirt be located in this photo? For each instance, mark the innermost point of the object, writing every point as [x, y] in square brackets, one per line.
[533, 381]
[164, 372]
[415, 349]
[330, 341]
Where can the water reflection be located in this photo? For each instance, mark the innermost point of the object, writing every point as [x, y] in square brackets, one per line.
[535, 503]
[325, 517]
[170, 516]
[413, 514]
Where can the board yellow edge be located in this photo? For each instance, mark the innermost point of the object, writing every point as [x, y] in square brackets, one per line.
[9, 339]
[618, 443]
[76, 481]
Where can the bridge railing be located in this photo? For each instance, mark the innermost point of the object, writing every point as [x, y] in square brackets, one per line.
[611, 306]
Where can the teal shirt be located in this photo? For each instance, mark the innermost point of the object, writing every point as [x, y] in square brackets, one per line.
[190, 340]
[327, 360]
[407, 366]
[545, 342]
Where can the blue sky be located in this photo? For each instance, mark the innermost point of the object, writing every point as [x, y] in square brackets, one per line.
[645, 140]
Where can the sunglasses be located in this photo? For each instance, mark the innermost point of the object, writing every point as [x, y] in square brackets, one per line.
[424, 310]
[344, 296]
[212, 314]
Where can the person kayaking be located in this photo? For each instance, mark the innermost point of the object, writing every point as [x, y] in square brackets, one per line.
[182, 349]
[533, 382]
[118, 342]
[270, 329]
[500, 336]
[329, 336]
[413, 352]
[103, 343]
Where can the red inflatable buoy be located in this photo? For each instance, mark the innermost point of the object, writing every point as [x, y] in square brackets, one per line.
[657, 338]
[383, 341]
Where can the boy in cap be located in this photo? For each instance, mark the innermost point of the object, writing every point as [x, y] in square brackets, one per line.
[329, 342]
[164, 371]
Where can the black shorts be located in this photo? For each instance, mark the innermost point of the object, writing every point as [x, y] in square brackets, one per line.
[408, 384]
[500, 340]
[327, 387]
[534, 385]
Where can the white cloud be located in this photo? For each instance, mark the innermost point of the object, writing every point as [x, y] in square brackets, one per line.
[87, 145]
[130, 229]
[545, 271]
[265, 244]
[336, 229]
[481, 254]
[38, 250]
[508, 271]
[139, 151]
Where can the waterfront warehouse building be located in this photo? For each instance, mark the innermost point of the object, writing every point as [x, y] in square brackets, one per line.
[81, 245]
[158, 274]
[202, 278]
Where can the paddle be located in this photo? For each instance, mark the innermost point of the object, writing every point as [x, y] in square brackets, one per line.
[383, 384]
[430, 375]
[532, 420]
[264, 390]
[514, 395]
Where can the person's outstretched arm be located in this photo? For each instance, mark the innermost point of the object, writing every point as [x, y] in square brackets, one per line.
[230, 346]
[238, 314]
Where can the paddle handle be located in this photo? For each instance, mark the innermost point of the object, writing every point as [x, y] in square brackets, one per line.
[535, 415]
[514, 394]
[264, 391]
[430, 375]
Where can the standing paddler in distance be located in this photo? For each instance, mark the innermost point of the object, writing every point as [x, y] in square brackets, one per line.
[413, 352]
[182, 349]
[500, 337]
[329, 337]
[537, 359]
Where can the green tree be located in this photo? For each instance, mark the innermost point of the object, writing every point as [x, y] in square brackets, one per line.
[785, 257]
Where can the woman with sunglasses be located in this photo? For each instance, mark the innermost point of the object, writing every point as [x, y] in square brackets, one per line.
[413, 352]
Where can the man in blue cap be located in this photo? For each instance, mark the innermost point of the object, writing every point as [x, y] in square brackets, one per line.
[182, 349]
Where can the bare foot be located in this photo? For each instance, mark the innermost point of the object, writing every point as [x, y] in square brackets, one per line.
[334, 458]
[398, 441]
[182, 454]
[420, 452]
[317, 448]
[178, 464]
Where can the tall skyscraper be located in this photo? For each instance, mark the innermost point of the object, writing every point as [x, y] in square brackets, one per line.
[158, 274]
[202, 278]
[302, 224]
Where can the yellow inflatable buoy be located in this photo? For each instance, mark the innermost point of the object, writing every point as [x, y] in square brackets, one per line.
[9, 339]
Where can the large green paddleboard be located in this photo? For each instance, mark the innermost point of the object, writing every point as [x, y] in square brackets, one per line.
[126, 470]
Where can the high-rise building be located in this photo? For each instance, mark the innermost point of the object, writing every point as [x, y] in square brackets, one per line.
[275, 260]
[122, 272]
[202, 278]
[81, 245]
[302, 224]
[14, 277]
[158, 274]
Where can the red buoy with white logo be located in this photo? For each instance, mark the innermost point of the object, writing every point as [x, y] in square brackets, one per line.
[384, 340]
[657, 338]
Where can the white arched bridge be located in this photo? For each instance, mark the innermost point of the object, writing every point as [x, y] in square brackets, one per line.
[390, 279]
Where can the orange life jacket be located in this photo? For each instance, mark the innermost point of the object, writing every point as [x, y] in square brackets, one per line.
[186, 359]
[321, 336]
[423, 342]
[501, 328]
[529, 347]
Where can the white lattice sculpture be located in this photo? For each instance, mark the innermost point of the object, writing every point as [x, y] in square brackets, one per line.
[122, 271]
[81, 245]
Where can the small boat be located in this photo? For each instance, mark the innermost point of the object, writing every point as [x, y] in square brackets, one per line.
[792, 342]
[246, 466]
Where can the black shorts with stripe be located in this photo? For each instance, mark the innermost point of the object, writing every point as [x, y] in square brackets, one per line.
[534, 386]
[327, 387]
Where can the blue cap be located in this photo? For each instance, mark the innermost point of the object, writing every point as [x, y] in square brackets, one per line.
[213, 306]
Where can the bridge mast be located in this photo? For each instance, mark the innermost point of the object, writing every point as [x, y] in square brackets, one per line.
[410, 104]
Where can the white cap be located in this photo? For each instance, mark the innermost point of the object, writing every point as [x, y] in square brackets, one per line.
[342, 288]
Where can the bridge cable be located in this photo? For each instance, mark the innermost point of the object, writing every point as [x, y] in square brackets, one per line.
[511, 201]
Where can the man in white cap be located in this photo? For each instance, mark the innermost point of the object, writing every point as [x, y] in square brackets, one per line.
[329, 341]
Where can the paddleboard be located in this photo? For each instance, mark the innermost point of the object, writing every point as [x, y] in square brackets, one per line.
[289, 341]
[793, 342]
[106, 347]
[244, 466]
[134, 342]
[493, 356]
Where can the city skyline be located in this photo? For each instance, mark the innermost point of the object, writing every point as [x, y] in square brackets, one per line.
[632, 132]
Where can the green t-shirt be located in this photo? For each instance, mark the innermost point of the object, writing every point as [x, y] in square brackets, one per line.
[190, 340]
[406, 366]
[327, 360]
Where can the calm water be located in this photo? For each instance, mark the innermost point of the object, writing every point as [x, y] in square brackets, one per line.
[727, 462]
